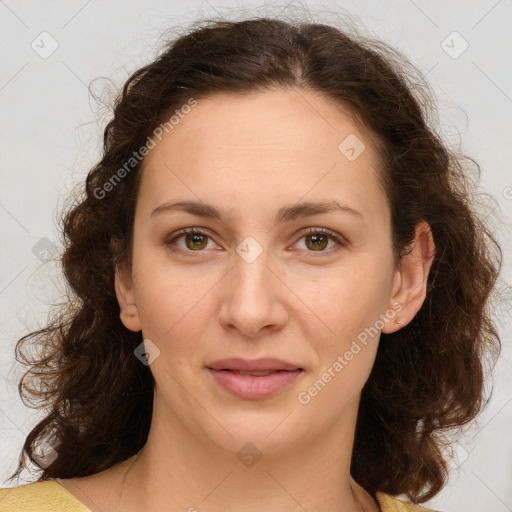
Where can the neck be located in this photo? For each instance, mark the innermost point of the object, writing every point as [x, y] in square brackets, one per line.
[195, 474]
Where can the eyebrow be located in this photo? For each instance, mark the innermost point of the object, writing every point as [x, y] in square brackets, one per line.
[285, 214]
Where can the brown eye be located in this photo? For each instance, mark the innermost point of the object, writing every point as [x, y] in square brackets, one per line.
[195, 240]
[318, 242]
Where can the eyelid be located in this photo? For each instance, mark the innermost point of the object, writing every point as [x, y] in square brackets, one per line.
[333, 235]
[169, 241]
[324, 231]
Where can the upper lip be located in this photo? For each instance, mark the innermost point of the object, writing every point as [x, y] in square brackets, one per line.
[253, 365]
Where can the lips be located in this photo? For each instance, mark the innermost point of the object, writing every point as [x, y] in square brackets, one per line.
[254, 380]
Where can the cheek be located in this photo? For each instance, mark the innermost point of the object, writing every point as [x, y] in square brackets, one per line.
[173, 305]
[349, 309]
[345, 300]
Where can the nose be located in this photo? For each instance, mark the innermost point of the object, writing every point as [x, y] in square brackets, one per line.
[253, 298]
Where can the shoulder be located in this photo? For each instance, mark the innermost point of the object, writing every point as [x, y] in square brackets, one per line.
[45, 496]
[391, 504]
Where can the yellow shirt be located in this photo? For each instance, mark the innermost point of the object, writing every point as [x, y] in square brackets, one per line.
[50, 496]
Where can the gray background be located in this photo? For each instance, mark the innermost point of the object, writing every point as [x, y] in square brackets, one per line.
[51, 135]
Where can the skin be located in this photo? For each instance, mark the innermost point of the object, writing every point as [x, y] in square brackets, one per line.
[252, 155]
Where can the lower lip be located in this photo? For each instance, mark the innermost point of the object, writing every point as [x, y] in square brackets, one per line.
[252, 387]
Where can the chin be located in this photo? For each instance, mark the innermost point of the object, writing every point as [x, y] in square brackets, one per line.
[259, 431]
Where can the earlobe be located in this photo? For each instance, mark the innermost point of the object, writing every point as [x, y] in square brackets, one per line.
[129, 312]
[412, 278]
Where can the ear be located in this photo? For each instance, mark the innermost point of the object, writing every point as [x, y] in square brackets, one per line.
[125, 296]
[410, 280]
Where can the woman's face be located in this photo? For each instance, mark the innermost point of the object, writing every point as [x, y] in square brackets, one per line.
[255, 284]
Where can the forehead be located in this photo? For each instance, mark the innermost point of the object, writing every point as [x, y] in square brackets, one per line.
[283, 144]
[280, 119]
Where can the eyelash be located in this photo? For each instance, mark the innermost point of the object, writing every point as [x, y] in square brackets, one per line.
[309, 231]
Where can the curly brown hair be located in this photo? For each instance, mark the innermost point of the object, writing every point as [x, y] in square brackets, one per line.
[427, 378]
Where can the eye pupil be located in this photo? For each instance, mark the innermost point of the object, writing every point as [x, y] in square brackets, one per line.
[317, 244]
[196, 238]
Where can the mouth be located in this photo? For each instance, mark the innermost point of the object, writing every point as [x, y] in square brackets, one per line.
[255, 366]
[256, 373]
[254, 380]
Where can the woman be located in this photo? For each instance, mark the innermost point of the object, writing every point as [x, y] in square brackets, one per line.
[281, 288]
